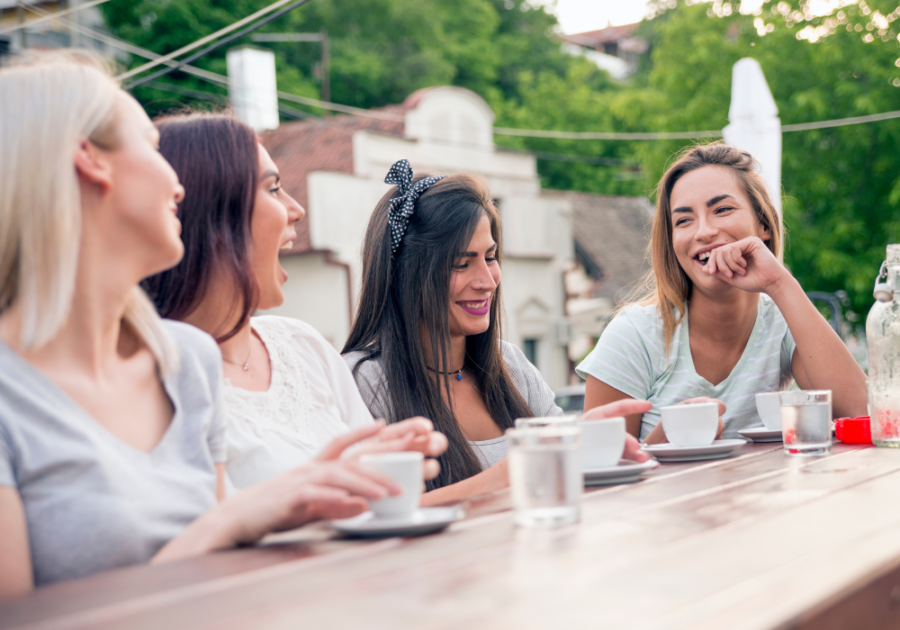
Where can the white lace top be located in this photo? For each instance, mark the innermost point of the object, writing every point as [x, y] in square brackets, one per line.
[312, 398]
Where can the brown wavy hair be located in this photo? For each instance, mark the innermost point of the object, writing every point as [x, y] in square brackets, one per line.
[402, 291]
[667, 285]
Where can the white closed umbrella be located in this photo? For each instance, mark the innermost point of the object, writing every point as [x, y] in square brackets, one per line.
[755, 126]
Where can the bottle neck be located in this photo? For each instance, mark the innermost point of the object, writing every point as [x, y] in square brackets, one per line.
[893, 276]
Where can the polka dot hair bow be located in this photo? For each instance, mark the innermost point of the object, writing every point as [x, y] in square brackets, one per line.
[403, 207]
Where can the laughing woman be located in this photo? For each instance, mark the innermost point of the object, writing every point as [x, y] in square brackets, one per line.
[427, 339]
[111, 422]
[724, 318]
[287, 392]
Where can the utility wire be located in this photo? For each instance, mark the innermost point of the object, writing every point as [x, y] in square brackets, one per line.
[54, 16]
[220, 33]
[567, 135]
[211, 77]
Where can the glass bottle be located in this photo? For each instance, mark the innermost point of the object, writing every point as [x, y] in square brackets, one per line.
[883, 341]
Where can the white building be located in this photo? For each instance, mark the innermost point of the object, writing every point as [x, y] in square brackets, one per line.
[335, 168]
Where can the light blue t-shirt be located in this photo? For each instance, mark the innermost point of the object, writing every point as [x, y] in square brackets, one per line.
[630, 356]
[92, 502]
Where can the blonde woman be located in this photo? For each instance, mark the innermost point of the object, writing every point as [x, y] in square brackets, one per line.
[111, 422]
[724, 318]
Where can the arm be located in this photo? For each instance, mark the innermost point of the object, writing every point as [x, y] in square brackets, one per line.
[15, 558]
[598, 393]
[821, 360]
[320, 489]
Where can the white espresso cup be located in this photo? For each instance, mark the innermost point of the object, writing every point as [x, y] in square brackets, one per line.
[406, 469]
[602, 442]
[694, 424]
[768, 404]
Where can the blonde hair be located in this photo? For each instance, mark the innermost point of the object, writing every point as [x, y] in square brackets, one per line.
[666, 285]
[49, 103]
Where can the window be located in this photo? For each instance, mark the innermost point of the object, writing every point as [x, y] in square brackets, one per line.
[530, 349]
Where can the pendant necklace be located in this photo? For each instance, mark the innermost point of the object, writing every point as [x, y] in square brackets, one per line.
[457, 372]
[246, 364]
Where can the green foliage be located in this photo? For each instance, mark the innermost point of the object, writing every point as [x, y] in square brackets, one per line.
[842, 185]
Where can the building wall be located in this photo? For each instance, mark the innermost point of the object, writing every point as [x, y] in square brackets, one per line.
[537, 228]
[316, 293]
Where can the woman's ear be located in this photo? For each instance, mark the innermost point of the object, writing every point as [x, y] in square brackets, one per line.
[92, 165]
[765, 234]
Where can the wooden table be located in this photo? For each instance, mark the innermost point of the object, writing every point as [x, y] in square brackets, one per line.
[759, 540]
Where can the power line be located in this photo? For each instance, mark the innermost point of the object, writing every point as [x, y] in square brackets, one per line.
[602, 135]
[11, 29]
[200, 42]
[218, 44]
[841, 122]
[200, 73]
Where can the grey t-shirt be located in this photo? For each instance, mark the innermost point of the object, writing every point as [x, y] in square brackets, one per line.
[372, 385]
[91, 501]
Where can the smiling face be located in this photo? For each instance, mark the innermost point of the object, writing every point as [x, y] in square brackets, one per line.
[144, 192]
[710, 209]
[272, 229]
[476, 274]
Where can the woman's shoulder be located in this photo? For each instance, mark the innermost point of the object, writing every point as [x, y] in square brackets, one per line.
[191, 341]
[294, 327]
[643, 316]
[365, 363]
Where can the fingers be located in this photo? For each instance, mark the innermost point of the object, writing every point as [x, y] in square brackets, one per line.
[416, 426]
[721, 428]
[633, 450]
[354, 478]
[625, 407]
[431, 468]
[338, 445]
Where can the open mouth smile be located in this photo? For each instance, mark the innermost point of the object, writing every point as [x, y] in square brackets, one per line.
[480, 307]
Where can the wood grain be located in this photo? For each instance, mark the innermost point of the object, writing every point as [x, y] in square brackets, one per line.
[761, 540]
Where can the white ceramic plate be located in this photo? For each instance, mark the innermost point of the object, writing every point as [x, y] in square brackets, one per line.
[626, 471]
[669, 453]
[761, 434]
[422, 521]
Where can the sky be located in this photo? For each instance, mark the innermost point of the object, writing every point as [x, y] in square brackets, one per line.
[577, 16]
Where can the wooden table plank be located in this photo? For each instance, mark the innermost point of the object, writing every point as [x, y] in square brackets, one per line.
[310, 542]
[478, 562]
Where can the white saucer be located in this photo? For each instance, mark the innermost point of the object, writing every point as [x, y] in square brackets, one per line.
[761, 434]
[422, 521]
[626, 471]
[669, 453]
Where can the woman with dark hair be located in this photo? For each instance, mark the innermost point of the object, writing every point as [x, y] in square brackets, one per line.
[287, 393]
[722, 317]
[427, 339]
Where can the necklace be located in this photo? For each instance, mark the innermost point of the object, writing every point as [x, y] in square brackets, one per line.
[457, 372]
[246, 364]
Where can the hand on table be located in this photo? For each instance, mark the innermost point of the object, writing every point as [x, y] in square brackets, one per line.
[658, 436]
[623, 407]
[316, 490]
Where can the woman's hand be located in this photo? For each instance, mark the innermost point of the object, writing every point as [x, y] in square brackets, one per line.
[622, 408]
[414, 434]
[658, 436]
[746, 264]
[317, 490]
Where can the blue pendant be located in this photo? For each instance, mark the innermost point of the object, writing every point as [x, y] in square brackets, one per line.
[459, 376]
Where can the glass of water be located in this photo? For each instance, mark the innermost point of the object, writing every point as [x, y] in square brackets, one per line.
[548, 421]
[545, 475]
[806, 422]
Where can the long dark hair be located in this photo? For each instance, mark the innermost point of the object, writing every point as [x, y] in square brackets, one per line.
[217, 162]
[412, 288]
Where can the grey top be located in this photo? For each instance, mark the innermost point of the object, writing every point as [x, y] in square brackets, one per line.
[372, 385]
[91, 501]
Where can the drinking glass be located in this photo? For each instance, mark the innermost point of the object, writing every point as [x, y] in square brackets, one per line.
[545, 475]
[806, 422]
[547, 421]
